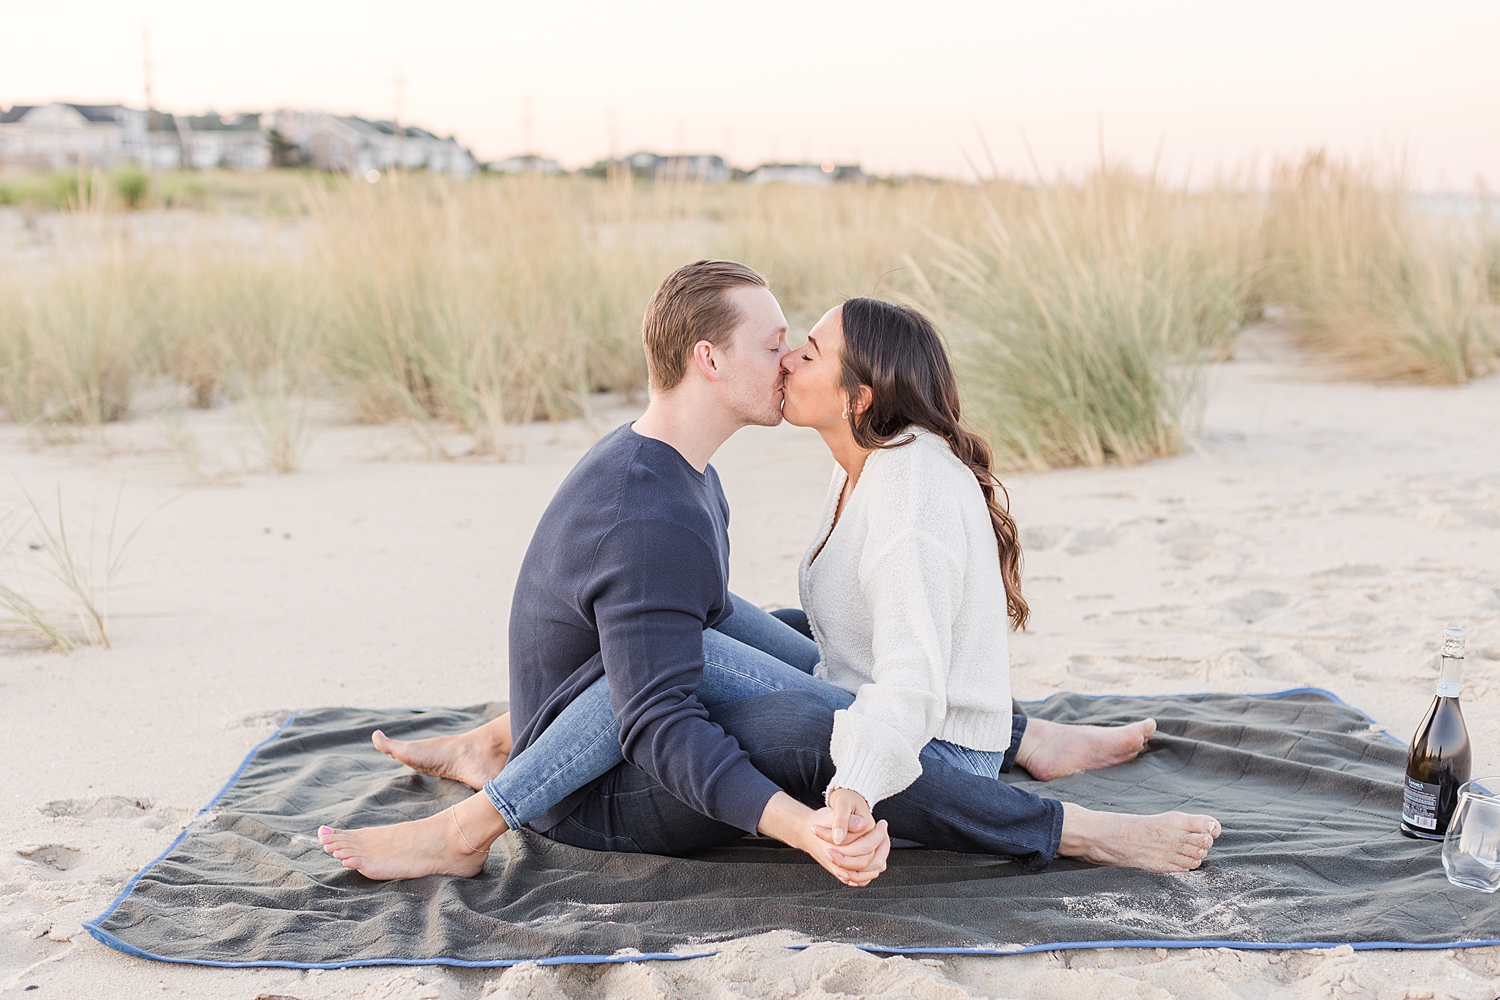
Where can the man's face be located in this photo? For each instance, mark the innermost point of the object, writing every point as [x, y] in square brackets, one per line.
[751, 366]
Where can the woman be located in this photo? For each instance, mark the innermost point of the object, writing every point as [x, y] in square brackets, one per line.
[908, 587]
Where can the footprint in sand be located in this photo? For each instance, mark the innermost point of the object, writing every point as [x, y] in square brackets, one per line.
[1188, 542]
[58, 857]
[102, 807]
[1041, 537]
[1092, 540]
[1095, 668]
[1256, 605]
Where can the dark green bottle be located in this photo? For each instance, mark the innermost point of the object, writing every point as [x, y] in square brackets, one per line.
[1439, 760]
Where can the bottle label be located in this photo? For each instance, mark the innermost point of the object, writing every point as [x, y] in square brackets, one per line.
[1419, 804]
[1447, 689]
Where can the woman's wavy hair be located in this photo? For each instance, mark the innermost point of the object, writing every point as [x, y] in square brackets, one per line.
[898, 353]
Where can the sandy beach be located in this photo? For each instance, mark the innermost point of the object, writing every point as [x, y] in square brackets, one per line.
[1317, 533]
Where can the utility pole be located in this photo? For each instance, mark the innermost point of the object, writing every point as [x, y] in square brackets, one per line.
[151, 120]
[398, 87]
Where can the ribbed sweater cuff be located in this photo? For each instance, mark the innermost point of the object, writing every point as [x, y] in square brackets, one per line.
[871, 758]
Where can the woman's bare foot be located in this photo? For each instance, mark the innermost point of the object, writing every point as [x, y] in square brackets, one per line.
[436, 845]
[1166, 842]
[1055, 750]
[471, 758]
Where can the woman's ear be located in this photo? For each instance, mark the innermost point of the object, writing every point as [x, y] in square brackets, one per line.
[863, 399]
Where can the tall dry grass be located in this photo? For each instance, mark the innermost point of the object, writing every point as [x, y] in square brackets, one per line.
[481, 304]
[1080, 313]
[1391, 291]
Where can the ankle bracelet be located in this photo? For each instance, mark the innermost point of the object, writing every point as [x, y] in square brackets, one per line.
[452, 810]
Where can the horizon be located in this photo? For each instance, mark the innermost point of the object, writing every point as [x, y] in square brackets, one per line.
[966, 88]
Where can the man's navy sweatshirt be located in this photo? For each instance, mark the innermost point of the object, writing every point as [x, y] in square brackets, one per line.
[629, 565]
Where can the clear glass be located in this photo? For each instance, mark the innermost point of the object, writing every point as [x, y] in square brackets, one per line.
[1471, 849]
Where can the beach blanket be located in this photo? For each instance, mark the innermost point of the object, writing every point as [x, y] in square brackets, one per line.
[1307, 788]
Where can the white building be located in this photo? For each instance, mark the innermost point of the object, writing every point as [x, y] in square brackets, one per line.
[60, 136]
[528, 163]
[805, 173]
[210, 141]
[355, 145]
[694, 167]
[63, 136]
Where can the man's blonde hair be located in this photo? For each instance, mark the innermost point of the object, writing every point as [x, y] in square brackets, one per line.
[688, 307]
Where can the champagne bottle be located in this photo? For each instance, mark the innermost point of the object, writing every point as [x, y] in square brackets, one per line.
[1439, 758]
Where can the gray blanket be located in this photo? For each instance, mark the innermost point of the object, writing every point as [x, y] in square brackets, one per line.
[1306, 788]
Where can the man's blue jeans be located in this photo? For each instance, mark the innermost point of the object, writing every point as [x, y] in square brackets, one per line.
[751, 653]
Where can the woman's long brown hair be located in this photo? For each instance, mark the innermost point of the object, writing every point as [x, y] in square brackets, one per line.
[898, 353]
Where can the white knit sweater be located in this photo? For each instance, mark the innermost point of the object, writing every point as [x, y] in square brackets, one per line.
[907, 604]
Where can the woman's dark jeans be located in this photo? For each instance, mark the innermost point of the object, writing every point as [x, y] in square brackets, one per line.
[787, 736]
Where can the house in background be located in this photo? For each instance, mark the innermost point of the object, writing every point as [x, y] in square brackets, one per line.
[805, 173]
[655, 167]
[60, 136]
[236, 143]
[528, 163]
[696, 167]
[350, 144]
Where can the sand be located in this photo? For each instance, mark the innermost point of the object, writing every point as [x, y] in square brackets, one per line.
[1317, 533]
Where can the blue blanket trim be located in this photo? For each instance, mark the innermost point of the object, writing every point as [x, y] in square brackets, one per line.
[109, 940]
[104, 937]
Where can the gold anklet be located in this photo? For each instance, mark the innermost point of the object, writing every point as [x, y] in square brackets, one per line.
[471, 847]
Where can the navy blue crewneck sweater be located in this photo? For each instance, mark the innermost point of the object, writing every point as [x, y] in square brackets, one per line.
[628, 566]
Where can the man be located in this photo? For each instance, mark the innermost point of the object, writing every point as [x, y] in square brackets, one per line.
[627, 569]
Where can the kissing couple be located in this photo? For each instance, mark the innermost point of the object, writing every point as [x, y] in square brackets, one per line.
[653, 711]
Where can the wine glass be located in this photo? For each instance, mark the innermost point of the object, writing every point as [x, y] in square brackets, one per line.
[1471, 848]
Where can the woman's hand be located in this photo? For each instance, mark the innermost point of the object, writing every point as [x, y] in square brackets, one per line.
[863, 855]
[851, 813]
[858, 843]
[856, 862]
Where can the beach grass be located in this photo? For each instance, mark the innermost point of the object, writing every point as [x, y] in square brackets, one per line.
[1388, 290]
[1081, 316]
[1080, 312]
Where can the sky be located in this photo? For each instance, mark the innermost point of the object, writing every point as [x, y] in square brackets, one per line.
[945, 87]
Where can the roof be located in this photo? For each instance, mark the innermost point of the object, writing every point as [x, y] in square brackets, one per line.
[387, 127]
[109, 113]
[213, 122]
[98, 112]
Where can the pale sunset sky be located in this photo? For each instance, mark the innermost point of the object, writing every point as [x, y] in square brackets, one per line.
[900, 88]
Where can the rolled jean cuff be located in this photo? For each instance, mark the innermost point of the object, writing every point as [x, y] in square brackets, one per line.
[1054, 839]
[501, 806]
[1017, 731]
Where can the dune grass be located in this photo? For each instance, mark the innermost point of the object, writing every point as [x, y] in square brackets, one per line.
[1392, 292]
[40, 544]
[1080, 313]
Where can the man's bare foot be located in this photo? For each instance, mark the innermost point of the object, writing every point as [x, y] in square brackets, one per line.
[432, 846]
[1055, 750]
[1166, 842]
[471, 758]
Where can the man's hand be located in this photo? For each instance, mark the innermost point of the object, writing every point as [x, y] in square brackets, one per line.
[856, 862]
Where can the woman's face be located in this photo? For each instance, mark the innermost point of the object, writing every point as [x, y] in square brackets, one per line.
[813, 394]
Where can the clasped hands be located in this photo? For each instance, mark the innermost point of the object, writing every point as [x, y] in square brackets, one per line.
[843, 836]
